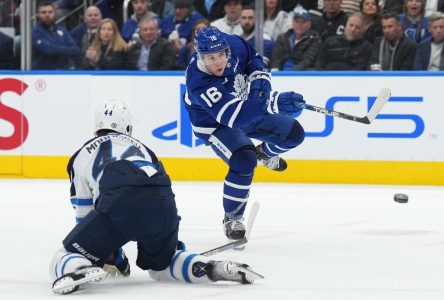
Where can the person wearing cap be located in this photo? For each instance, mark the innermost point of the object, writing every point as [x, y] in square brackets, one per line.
[230, 23]
[296, 49]
[347, 52]
[248, 22]
[177, 28]
[142, 11]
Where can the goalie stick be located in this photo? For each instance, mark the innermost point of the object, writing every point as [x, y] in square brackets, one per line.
[381, 100]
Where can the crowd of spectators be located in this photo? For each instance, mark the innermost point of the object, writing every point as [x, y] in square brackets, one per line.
[297, 34]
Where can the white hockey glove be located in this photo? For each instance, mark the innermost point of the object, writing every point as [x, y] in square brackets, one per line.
[284, 103]
[260, 85]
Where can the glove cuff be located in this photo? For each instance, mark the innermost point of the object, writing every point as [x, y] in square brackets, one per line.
[272, 103]
[259, 75]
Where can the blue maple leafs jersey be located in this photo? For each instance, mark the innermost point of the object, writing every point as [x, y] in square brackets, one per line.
[214, 101]
[85, 167]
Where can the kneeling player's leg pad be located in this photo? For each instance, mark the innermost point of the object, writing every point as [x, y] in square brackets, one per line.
[185, 266]
[95, 237]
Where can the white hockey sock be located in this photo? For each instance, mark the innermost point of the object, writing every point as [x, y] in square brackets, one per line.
[185, 266]
[65, 262]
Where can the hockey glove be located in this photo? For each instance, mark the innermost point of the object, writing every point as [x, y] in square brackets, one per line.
[284, 103]
[260, 85]
[118, 264]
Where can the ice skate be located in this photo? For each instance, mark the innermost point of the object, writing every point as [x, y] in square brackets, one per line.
[69, 283]
[275, 163]
[234, 229]
[231, 271]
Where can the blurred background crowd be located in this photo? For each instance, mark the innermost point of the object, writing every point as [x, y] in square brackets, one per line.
[378, 35]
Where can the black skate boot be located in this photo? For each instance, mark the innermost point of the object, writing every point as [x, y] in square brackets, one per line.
[234, 229]
[231, 271]
[69, 283]
[275, 163]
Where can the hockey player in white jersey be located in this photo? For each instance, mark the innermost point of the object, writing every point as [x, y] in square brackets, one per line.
[229, 100]
[121, 193]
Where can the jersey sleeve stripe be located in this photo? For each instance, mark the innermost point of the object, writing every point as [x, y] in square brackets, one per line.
[203, 130]
[81, 202]
[235, 114]
[224, 108]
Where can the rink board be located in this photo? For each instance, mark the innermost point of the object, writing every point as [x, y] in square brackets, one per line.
[45, 117]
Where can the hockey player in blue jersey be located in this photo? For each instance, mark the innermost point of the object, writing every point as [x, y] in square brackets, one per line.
[230, 100]
[122, 193]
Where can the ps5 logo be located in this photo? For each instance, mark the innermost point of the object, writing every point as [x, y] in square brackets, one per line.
[418, 122]
[186, 137]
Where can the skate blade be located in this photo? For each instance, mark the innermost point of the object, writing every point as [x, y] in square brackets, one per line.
[250, 275]
[68, 285]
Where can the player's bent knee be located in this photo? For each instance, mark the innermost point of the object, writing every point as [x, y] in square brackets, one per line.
[185, 266]
[243, 161]
[64, 262]
[296, 135]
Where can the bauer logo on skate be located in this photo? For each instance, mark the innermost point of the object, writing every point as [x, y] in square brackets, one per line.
[13, 124]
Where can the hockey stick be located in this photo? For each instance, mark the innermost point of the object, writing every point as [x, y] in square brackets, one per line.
[381, 100]
[250, 222]
[225, 247]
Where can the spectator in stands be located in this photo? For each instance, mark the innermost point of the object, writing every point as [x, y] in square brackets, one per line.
[210, 9]
[276, 20]
[414, 23]
[248, 22]
[6, 52]
[372, 22]
[432, 6]
[187, 50]
[230, 23]
[347, 52]
[85, 32]
[152, 52]
[430, 55]
[177, 28]
[142, 11]
[52, 45]
[162, 8]
[108, 50]
[350, 6]
[297, 49]
[393, 51]
[332, 22]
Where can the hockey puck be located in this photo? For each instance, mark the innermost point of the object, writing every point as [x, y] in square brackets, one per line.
[401, 198]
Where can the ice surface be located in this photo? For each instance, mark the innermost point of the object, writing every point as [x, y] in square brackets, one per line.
[326, 242]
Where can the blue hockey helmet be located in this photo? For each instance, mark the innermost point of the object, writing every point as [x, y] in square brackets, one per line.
[210, 40]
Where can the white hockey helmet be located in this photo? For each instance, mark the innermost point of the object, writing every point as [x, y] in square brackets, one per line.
[113, 115]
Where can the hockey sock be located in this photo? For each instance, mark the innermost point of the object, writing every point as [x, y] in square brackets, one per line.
[238, 181]
[185, 266]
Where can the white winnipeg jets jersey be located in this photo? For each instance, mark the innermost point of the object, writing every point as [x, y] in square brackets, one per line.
[86, 166]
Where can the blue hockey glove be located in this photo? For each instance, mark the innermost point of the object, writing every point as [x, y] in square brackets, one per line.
[284, 103]
[260, 85]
